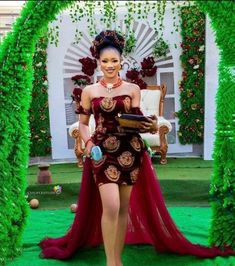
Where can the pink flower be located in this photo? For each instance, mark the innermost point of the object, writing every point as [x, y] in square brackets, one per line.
[191, 61]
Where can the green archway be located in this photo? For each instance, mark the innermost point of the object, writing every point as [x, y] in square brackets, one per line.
[16, 77]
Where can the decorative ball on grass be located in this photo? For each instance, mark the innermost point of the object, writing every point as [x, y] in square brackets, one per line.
[73, 207]
[34, 203]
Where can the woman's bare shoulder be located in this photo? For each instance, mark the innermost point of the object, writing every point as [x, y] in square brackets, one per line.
[133, 87]
[90, 88]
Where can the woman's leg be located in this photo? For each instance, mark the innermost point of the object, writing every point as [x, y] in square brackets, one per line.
[111, 203]
[125, 192]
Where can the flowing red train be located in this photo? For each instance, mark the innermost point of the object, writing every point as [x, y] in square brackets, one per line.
[149, 221]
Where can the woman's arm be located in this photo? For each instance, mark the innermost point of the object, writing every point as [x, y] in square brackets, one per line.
[84, 121]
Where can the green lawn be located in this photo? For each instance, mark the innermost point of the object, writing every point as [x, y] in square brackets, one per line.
[177, 169]
[184, 182]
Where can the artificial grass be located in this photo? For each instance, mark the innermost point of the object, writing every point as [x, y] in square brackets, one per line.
[193, 222]
[176, 193]
[184, 182]
[176, 168]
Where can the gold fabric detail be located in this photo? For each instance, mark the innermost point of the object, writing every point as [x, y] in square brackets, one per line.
[127, 104]
[100, 128]
[99, 162]
[134, 174]
[108, 104]
[126, 159]
[135, 143]
[112, 173]
[111, 144]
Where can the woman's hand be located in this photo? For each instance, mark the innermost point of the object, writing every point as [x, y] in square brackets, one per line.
[150, 126]
[87, 151]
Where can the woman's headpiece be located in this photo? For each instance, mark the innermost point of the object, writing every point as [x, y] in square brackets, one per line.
[105, 39]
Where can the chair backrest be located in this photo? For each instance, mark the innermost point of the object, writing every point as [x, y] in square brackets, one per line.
[152, 100]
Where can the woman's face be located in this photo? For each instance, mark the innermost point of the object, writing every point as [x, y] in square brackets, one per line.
[110, 62]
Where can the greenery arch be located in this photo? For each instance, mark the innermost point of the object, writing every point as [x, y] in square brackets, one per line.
[16, 78]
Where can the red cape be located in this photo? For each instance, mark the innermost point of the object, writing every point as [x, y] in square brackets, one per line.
[149, 220]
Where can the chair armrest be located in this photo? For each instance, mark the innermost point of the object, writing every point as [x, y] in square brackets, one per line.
[73, 127]
[163, 122]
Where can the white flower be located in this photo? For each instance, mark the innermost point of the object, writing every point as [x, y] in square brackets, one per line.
[196, 67]
[201, 48]
[39, 64]
[45, 83]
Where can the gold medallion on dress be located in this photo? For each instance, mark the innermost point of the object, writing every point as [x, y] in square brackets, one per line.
[108, 104]
[99, 162]
[135, 143]
[126, 159]
[112, 173]
[134, 174]
[127, 104]
[111, 144]
[100, 128]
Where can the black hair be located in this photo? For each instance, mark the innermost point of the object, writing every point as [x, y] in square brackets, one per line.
[108, 39]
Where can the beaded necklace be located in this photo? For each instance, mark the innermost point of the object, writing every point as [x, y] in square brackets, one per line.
[110, 86]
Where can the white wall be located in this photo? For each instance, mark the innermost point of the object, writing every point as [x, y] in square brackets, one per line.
[56, 75]
[211, 84]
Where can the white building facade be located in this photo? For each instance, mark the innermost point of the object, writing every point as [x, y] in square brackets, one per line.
[63, 64]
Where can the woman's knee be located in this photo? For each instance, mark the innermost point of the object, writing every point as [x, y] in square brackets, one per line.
[110, 199]
[111, 209]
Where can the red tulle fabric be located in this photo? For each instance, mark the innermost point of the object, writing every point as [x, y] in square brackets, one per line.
[149, 221]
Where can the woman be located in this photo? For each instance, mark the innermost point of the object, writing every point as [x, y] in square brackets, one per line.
[117, 171]
[122, 184]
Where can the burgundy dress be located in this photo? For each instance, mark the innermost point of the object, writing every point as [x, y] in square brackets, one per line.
[122, 152]
[125, 160]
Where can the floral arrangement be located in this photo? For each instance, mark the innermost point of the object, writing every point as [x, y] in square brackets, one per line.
[132, 74]
[81, 80]
[88, 65]
[76, 95]
[40, 137]
[135, 77]
[148, 68]
[191, 116]
[140, 82]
